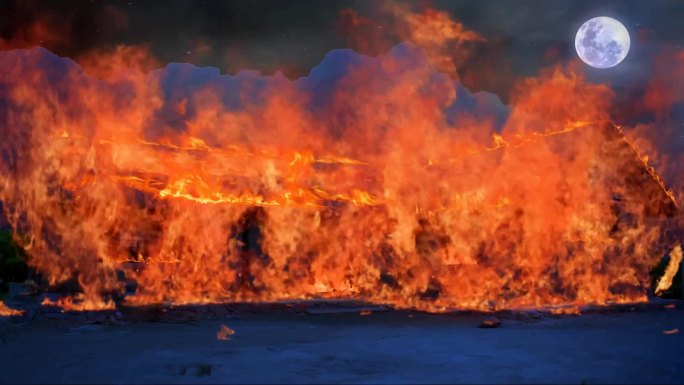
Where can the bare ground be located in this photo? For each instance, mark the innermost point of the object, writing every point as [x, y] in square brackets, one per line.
[342, 346]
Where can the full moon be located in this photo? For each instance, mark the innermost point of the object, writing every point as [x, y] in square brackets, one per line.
[602, 42]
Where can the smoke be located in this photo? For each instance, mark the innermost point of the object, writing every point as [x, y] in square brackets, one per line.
[292, 36]
[446, 42]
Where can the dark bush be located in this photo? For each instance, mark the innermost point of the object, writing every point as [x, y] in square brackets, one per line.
[12, 265]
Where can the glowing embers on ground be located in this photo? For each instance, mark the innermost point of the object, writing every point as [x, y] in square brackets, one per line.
[224, 333]
[6, 311]
[79, 302]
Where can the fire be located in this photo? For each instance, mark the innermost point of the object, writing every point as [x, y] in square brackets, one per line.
[80, 303]
[224, 333]
[673, 265]
[6, 311]
[572, 310]
[251, 188]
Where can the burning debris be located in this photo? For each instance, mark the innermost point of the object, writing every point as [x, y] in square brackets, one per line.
[6, 311]
[672, 266]
[224, 333]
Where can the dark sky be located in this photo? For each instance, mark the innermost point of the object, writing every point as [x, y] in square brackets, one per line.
[293, 36]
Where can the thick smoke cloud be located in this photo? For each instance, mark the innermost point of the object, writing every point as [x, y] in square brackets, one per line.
[294, 36]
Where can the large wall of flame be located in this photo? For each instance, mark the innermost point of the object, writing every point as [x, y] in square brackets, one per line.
[365, 180]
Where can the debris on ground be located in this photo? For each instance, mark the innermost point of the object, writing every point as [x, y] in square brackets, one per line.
[490, 323]
[333, 309]
[224, 333]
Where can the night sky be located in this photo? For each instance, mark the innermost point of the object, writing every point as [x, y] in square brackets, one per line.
[293, 36]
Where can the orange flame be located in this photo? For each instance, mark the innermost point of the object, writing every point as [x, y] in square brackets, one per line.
[666, 280]
[79, 303]
[6, 311]
[224, 333]
[373, 194]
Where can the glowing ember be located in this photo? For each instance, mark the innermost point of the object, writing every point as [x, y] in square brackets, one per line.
[671, 331]
[224, 333]
[569, 310]
[6, 311]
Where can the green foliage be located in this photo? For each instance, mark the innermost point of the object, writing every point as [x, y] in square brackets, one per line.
[675, 290]
[12, 265]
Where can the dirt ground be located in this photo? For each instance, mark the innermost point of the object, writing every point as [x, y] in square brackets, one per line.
[347, 347]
